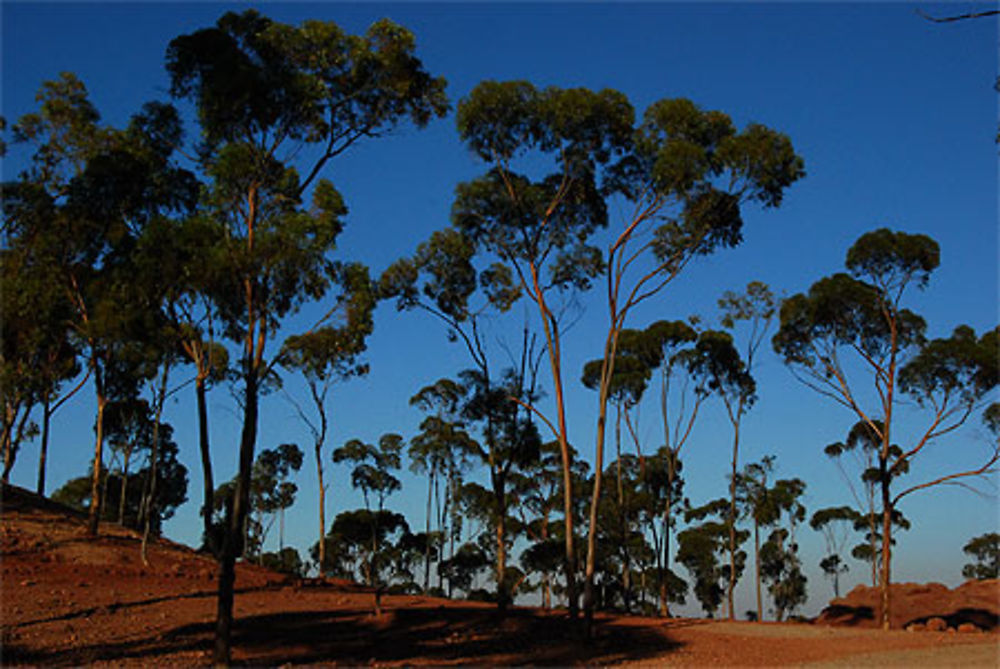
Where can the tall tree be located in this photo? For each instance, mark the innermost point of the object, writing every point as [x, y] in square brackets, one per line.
[187, 260]
[539, 228]
[862, 313]
[756, 308]
[171, 490]
[685, 177]
[263, 90]
[754, 500]
[835, 523]
[701, 546]
[511, 441]
[79, 209]
[441, 450]
[329, 355]
[717, 365]
[680, 402]
[780, 566]
[864, 444]
[372, 474]
[38, 357]
[442, 279]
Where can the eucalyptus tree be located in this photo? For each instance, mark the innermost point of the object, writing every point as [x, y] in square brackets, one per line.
[766, 505]
[128, 427]
[862, 314]
[539, 492]
[777, 560]
[499, 409]
[756, 307]
[272, 491]
[539, 228]
[353, 554]
[171, 489]
[836, 524]
[264, 91]
[700, 547]
[685, 178]
[328, 355]
[863, 443]
[985, 551]
[443, 279]
[38, 357]
[441, 450]
[632, 372]
[372, 474]
[662, 347]
[79, 209]
[186, 258]
[716, 365]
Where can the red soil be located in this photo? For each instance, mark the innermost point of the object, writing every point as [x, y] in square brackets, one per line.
[70, 600]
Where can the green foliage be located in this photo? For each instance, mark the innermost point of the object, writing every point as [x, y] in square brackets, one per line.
[780, 568]
[361, 544]
[314, 81]
[270, 490]
[891, 260]
[373, 466]
[462, 568]
[962, 367]
[701, 547]
[332, 352]
[716, 367]
[171, 488]
[985, 550]
[286, 561]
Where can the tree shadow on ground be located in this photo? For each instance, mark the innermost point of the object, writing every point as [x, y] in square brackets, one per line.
[421, 634]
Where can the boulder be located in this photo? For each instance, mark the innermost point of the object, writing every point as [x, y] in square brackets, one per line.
[936, 625]
[974, 602]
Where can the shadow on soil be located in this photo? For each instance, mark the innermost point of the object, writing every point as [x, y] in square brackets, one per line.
[432, 635]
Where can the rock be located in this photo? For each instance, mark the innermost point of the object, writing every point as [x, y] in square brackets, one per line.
[27, 583]
[969, 628]
[936, 625]
[916, 627]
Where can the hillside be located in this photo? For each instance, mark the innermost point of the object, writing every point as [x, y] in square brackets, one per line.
[71, 600]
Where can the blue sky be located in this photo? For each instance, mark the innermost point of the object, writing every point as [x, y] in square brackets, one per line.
[894, 116]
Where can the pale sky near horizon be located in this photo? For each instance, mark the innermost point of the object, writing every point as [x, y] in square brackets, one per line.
[894, 116]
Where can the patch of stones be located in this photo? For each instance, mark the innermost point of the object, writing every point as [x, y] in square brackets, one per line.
[941, 625]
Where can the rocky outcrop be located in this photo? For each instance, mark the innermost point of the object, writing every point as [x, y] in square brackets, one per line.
[919, 607]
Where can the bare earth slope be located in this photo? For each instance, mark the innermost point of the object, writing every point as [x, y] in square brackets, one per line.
[69, 600]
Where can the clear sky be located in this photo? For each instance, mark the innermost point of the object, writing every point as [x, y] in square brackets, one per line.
[894, 116]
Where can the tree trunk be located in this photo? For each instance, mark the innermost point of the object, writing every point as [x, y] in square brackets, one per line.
[622, 513]
[886, 603]
[43, 452]
[607, 370]
[756, 560]
[233, 535]
[13, 443]
[206, 466]
[732, 522]
[94, 515]
[8, 432]
[149, 506]
[667, 510]
[124, 486]
[553, 345]
[503, 596]
[322, 505]
[427, 532]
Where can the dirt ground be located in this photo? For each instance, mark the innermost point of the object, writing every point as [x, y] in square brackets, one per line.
[70, 600]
